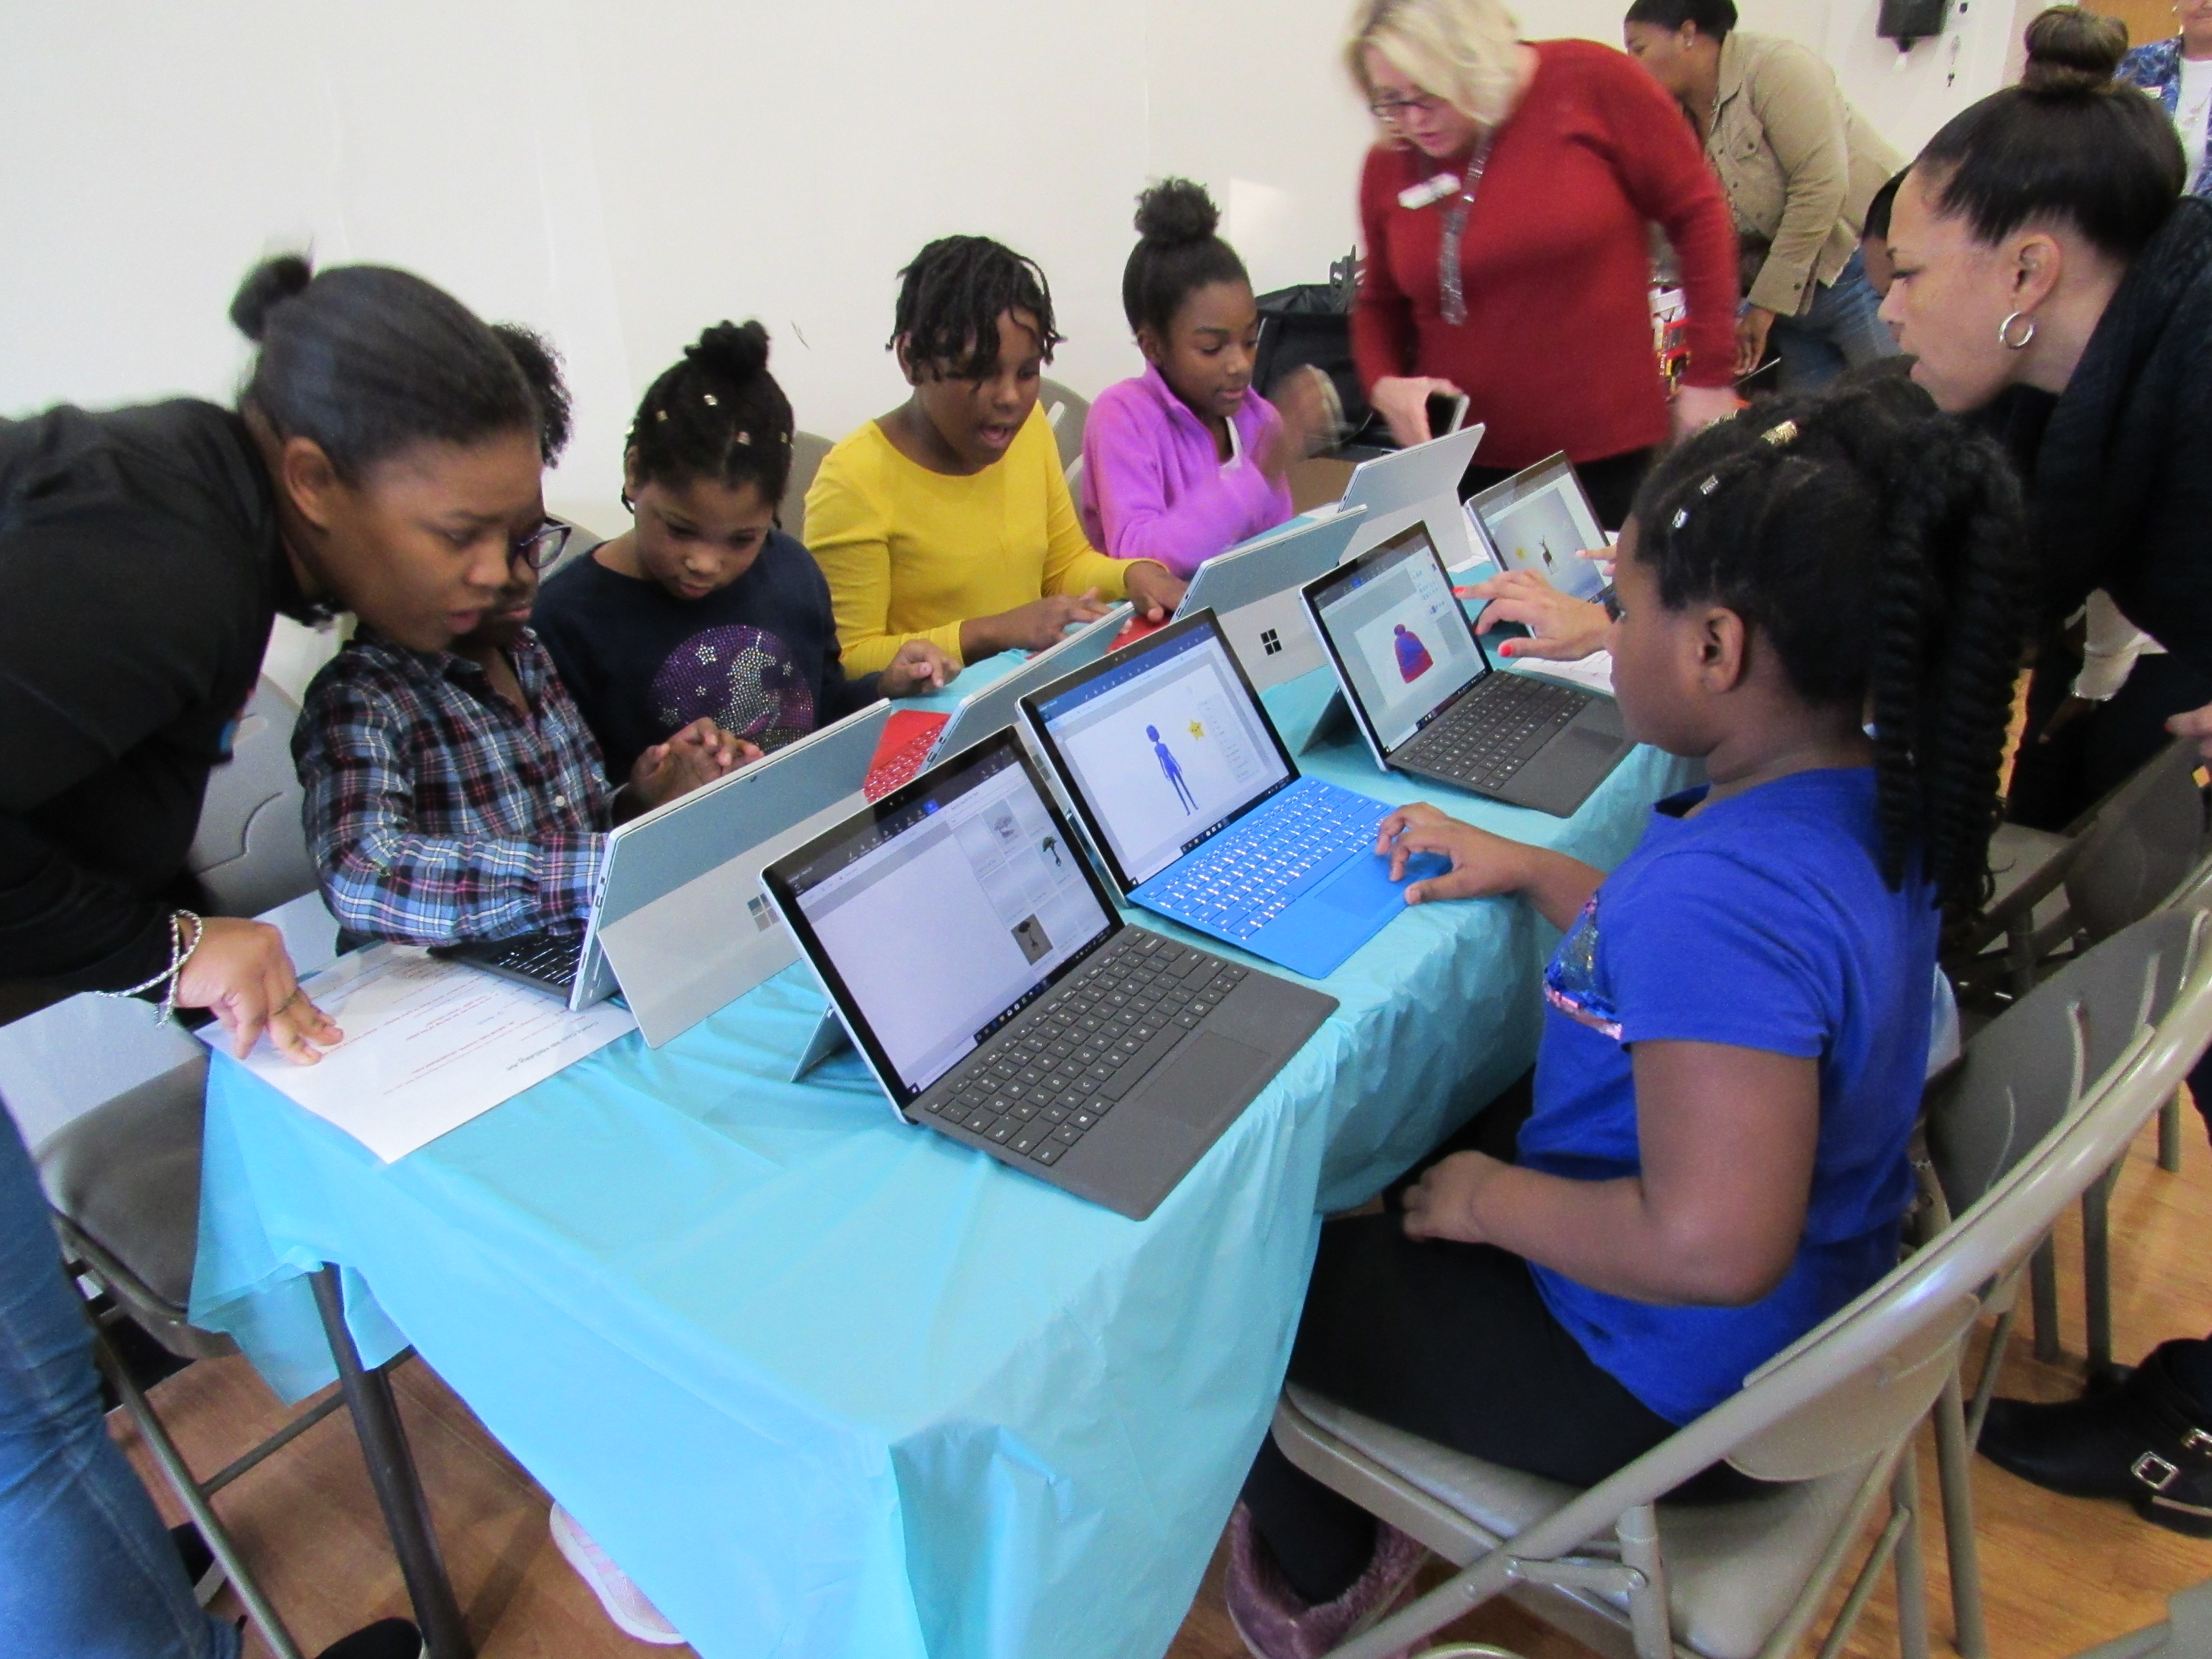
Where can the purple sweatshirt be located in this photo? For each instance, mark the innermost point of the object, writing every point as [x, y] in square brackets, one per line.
[1154, 486]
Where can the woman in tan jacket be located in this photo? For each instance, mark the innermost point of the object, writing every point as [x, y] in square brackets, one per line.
[1798, 165]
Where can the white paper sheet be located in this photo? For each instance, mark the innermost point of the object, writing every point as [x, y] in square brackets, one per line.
[1592, 673]
[428, 1045]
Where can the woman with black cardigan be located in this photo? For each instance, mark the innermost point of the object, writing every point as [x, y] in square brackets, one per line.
[384, 459]
[2051, 276]
[2055, 281]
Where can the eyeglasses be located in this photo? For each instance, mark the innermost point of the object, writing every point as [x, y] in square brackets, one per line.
[1610, 598]
[541, 547]
[1395, 111]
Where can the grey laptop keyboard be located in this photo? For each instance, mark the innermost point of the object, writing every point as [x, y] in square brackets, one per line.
[1494, 730]
[1037, 1093]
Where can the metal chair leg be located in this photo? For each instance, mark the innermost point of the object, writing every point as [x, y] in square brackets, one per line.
[1955, 1475]
[2097, 1265]
[1651, 1608]
[193, 1496]
[392, 1472]
[2169, 1135]
[2043, 1295]
[1909, 1564]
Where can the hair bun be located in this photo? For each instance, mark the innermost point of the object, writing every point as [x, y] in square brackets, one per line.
[2070, 51]
[267, 286]
[734, 353]
[1176, 211]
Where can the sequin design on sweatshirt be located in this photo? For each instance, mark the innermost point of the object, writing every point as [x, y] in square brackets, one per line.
[1570, 982]
[742, 678]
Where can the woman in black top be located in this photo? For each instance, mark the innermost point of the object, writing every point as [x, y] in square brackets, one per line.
[2050, 273]
[2051, 276]
[384, 459]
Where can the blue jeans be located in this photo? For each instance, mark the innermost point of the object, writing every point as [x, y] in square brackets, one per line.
[86, 1569]
[1842, 330]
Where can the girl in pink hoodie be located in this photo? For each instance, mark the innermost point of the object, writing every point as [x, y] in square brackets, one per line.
[1186, 460]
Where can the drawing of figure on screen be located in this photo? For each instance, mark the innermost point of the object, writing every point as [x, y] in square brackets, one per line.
[1172, 771]
[1413, 659]
[1550, 564]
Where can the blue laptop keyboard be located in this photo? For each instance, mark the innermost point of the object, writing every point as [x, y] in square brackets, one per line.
[1249, 873]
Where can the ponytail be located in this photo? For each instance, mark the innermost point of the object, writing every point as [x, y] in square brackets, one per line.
[1877, 546]
[366, 362]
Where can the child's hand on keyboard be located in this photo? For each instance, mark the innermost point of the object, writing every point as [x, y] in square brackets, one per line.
[1482, 864]
[920, 666]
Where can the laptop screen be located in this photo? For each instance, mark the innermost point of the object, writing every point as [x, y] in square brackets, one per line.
[1539, 519]
[946, 909]
[1393, 624]
[1165, 746]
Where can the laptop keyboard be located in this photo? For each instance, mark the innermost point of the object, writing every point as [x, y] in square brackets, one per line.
[1249, 875]
[1038, 1091]
[898, 767]
[548, 958]
[1495, 731]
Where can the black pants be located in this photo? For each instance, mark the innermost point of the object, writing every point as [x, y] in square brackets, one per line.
[2054, 782]
[1454, 1343]
[1610, 482]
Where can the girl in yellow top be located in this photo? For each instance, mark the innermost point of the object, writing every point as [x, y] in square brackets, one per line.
[949, 520]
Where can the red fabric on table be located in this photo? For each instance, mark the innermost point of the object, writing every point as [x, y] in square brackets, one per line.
[1556, 351]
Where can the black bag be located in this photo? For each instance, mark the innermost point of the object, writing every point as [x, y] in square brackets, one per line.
[1311, 325]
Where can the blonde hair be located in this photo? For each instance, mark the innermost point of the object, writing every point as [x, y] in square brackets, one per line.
[1459, 51]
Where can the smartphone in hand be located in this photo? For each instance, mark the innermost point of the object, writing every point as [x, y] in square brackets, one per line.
[1447, 413]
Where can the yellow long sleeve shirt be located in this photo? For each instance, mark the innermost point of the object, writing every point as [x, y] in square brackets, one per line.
[912, 554]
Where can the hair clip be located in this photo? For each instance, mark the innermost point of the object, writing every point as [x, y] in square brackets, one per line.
[660, 414]
[1712, 483]
[713, 402]
[1783, 434]
[1681, 517]
[746, 438]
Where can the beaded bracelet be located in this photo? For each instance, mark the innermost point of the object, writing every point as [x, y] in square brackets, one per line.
[180, 952]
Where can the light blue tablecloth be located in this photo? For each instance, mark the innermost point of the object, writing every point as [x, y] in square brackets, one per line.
[828, 1385]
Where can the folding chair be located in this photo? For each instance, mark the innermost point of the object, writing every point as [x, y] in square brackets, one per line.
[122, 1176]
[1627, 1572]
[2059, 893]
[1066, 412]
[2022, 1077]
[807, 451]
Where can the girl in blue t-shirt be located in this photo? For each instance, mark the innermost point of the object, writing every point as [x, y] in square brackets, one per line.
[703, 608]
[1714, 1160]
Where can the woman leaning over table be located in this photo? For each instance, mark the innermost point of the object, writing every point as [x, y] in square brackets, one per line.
[1505, 215]
[2050, 273]
[1798, 165]
[385, 458]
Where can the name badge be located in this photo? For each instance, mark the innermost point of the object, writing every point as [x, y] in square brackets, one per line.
[1417, 196]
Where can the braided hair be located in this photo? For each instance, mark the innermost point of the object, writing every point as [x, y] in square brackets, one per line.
[951, 297]
[1876, 545]
[1180, 253]
[717, 414]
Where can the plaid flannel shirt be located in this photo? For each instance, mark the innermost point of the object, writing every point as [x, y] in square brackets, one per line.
[434, 810]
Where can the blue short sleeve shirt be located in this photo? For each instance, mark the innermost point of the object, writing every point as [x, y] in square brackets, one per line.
[1762, 922]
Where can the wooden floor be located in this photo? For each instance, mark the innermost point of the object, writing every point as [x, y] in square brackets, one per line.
[2060, 1574]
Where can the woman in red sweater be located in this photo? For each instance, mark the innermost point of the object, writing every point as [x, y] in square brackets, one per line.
[1505, 216]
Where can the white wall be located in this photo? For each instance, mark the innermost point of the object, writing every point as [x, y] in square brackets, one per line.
[621, 174]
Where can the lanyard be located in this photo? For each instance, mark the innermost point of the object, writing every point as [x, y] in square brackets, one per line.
[1450, 278]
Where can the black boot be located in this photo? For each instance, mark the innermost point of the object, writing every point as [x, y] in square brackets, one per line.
[2146, 1440]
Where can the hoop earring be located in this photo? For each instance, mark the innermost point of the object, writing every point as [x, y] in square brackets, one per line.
[2004, 333]
[629, 506]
